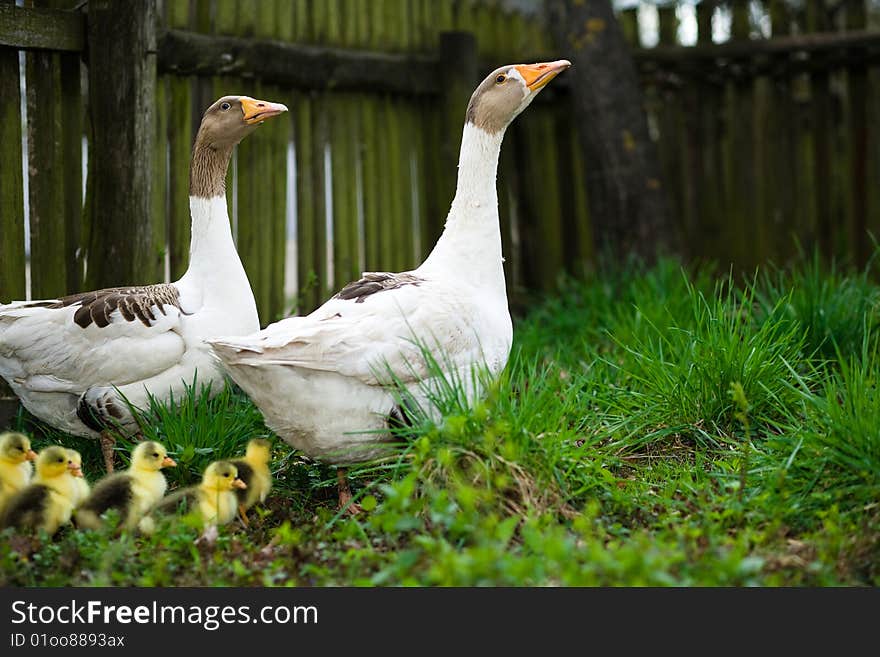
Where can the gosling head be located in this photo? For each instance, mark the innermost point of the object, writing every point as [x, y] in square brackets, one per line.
[54, 462]
[222, 476]
[15, 448]
[258, 451]
[151, 456]
[74, 462]
[507, 91]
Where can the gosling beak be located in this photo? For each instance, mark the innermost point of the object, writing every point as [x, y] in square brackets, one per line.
[168, 462]
[257, 111]
[31, 455]
[75, 470]
[537, 76]
[238, 483]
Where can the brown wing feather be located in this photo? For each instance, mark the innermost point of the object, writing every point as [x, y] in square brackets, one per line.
[376, 282]
[132, 303]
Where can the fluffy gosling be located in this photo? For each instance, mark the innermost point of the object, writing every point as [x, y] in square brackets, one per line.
[47, 503]
[253, 470]
[214, 499]
[131, 492]
[16, 467]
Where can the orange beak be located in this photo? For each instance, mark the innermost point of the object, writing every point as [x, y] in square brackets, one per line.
[537, 76]
[31, 455]
[257, 111]
[168, 462]
[238, 483]
[75, 470]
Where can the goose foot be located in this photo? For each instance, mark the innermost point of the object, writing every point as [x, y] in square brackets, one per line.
[345, 503]
[108, 442]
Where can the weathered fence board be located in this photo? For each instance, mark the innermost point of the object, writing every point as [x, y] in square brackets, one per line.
[46, 168]
[41, 28]
[12, 255]
[122, 88]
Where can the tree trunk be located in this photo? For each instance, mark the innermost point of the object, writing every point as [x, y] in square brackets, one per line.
[627, 202]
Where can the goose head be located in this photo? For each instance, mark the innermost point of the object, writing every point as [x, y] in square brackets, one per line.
[15, 448]
[232, 118]
[507, 91]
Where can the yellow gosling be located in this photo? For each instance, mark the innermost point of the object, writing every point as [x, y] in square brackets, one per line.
[16, 467]
[254, 471]
[214, 499]
[47, 503]
[131, 492]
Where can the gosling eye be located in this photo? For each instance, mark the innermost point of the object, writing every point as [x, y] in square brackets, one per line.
[155, 454]
[225, 106]
[226, 475]
[61, 460]
[500, 78]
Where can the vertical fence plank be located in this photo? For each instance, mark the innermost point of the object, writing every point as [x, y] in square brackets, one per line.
[872, 165]
[742, 237]
[670, 118]
[46, 169]
[820, 115]
[283, 129]
[306, 193]
[344, 136]
[159, 207]
[121, 38]
[180, 139]
[274, 22]
[12, 254]
[251, 184]
[776, 146]
[710, 204]
[371, 132]
[857, 95]
[71, 155]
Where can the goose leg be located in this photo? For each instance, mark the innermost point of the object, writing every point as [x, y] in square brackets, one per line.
[345, 493]
[243, 515]
[108, 442]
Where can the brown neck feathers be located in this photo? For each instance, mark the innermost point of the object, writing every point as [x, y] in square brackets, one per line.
[207, 176]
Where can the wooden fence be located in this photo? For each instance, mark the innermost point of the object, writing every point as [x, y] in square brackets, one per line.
[760, 139]
[771, 136]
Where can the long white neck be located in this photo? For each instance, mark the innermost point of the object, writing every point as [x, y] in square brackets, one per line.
[215, 269]
[211, 235]
[470, 245]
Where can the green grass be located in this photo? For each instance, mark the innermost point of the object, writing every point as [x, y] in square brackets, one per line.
[653, 427]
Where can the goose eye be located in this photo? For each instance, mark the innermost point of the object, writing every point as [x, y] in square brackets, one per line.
[500, 78]
[226, 475]
[156, 454]
[225, 106]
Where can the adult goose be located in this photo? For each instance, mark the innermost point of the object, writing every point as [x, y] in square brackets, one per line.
[74, 361]
[321, 380]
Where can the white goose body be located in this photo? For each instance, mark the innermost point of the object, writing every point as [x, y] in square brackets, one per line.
[74, 361]
[322, 381]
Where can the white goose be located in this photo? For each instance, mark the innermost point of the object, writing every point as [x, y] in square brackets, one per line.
[320, 380]
[71, 360]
